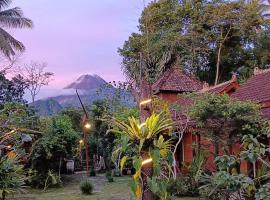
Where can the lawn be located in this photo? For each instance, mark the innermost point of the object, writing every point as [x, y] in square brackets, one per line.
[118, 190]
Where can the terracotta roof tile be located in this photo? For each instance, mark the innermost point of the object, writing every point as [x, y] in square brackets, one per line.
[175, 80]
[257, 88]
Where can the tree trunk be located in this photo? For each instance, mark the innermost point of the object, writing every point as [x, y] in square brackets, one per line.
[147, 171]
[218, 63]
[4, 195]
[180, 137]
[254, 169]
[216, 145]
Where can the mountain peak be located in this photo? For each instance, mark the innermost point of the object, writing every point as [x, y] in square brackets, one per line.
[87, 82]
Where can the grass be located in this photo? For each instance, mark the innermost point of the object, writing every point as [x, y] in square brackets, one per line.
[118, 190]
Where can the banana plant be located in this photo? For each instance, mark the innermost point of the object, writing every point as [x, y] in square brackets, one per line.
[148, 140]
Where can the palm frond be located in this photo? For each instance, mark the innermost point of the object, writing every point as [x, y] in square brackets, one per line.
[4, 3]
[13, 18]
[158, 123]
[8, 43]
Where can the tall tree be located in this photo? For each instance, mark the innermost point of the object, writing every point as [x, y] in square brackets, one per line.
[210, 39]
[11, 18]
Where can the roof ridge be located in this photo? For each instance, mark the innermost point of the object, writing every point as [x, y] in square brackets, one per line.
[206, 86]
[258, 71]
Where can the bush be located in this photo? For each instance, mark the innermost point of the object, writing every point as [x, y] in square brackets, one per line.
[92, 172]
[109, 176]
[183, 186]
[86, 187]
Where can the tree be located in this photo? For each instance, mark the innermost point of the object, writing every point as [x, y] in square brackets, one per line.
[36, 77]
[58, 142]
[12, 90]
[12, 176]
[210, 39]
[224, 120]
[11, 18]
[152, 151]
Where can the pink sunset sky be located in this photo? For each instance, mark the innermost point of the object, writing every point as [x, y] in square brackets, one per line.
[78, 37]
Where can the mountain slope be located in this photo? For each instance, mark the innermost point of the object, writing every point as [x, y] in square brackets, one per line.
[87, 82]
[47, 107]
[88, 87]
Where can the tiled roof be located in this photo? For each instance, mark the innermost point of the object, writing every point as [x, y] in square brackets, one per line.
[222, 87]
[257, 88]
[266, 112]
[175, 80]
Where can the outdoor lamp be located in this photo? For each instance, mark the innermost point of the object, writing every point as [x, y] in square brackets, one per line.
[81, 141]
[149, 160]
[87, 125]
[145, 102]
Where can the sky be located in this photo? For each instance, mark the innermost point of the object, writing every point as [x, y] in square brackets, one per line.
[77, 37]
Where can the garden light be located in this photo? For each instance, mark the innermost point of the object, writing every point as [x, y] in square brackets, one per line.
[149, 160]
[145, 102]
[81, 141]
[87, 125]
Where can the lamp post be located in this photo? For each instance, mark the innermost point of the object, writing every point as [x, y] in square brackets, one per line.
[80, 151]
[86, 128]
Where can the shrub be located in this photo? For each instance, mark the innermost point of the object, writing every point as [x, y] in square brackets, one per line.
[183, 186]
[109, 176]
[92, 172]
[86, 187]
[11, 176]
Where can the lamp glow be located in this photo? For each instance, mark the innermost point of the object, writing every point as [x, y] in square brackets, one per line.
[145, 102]
[141, 125]
[81, 141]
[87, 126]
[149, 160]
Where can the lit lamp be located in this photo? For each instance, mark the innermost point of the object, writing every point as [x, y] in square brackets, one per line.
[81, 142]
[87, 125]
[149, 160]
[144, 102]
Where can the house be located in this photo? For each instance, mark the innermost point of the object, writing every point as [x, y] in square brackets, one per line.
[174, 82]
[170, 87]
[257, 89]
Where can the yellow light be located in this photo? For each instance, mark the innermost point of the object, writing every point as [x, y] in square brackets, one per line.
[81, 141]
[87, 126]
[149, 160]
[145, 102]
[141, 125]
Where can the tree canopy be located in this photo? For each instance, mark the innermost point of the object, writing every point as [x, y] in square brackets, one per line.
[210, 39]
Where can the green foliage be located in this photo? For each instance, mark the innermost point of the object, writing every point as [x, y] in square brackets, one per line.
[52, 180]
[222, 185]
[86, 187]
[12, 90]
[263, 193]
[187, 185]
[58, 142]
[219, 114]
[197, 35]
[11, 18]
[12, 176]
[227, 163]
[147, 142]
[109, 176]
